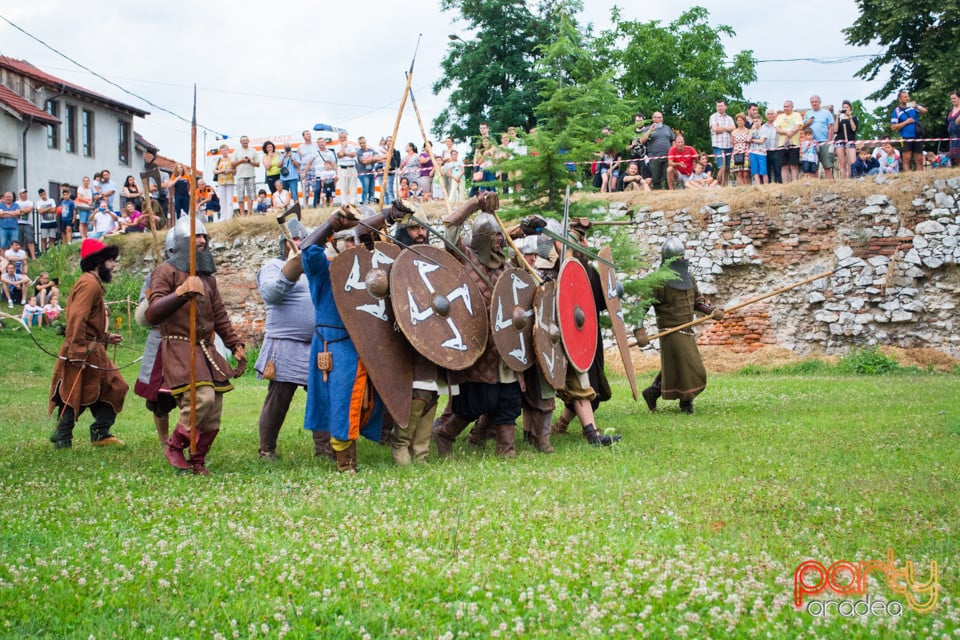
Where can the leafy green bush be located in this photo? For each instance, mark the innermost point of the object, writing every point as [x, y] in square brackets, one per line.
[751, 370]
[868, 362]
[805, 367]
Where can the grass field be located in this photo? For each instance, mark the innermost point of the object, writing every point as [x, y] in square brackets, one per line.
[692, 527]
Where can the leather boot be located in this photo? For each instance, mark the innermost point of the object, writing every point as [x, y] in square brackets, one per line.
[686, 406]
[199, 459]
[561, 424]
[504, 435]
[598, 439]
[481, 432]
[347, 459]
[179, 440]
[651, 393]
[450, 428]
[62, 436]
[321, 445]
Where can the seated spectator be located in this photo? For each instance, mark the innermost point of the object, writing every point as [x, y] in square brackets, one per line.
[131, 220]
[935, 160]
[404, 189]
[105, 222]
[282, 198]
[263, 202]
[701, 178]
[44, 288]
[633, 180]
[680, 159]
[415, 193]
[809, 155]
[887, 157]
[17, 257]
[864, 165]
[32, 313]
[208, 203]
[14, 285]
[704, 160]
[52, 310]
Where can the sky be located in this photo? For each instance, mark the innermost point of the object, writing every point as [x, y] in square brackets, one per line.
[267, 70]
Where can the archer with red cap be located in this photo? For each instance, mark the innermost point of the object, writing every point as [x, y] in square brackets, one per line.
[84, 377]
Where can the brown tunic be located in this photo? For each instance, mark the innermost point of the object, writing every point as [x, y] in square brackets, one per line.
[83, 341]
[682, 370]
[211, 368]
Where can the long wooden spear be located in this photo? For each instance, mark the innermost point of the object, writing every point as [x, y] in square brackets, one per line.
[193, 272]
[396, 127]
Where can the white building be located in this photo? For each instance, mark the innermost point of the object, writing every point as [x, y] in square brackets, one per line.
[54, 132]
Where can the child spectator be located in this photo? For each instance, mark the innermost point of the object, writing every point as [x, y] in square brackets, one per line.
[52, 310]
[809, 158]
[888, 158]
[701, 178]
[263, 202]
[936, 160]
[44, 288]
[68, 216]
[328, 182]
[864, 165]
[32, 313]
[414, 191]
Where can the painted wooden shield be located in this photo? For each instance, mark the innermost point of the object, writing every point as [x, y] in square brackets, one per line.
[511, 316]
[439, 307]
[576, 315]
[546, 336]
[611, 296]
[360, 278]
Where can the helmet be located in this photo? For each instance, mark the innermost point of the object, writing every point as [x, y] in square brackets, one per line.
[180, 257]
[182, 227]
[483, 240]
[168, 244]
[673, 248]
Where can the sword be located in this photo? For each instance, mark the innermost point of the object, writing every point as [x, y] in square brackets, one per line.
[573, 246]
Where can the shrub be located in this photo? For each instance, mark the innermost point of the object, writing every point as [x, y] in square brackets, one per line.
[868, 362]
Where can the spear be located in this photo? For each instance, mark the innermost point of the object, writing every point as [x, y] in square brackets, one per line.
[642, 340]
[396, 125]
[433, 159]
[193, 272]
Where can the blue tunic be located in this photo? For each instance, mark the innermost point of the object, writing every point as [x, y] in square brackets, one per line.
[346, 404]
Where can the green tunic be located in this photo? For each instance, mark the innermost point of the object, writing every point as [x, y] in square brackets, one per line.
[683, 375]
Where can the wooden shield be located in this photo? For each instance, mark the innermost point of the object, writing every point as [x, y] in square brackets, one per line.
[511, 317]
[611, 296]
[576, 315]
[439, 307]
[546, 336]
[369, 320]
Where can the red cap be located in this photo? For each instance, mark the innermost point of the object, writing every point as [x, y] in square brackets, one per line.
[93, 252]
[89, 246]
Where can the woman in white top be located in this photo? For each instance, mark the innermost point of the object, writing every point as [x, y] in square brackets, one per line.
[281, 197]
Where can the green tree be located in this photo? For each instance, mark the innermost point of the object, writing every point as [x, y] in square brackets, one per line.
[680, 69]
[920, 41]
[491, 75]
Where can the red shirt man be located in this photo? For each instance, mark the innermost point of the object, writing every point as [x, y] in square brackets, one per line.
[680, 159]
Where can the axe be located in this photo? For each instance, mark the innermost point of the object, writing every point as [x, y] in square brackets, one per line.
[294, 210]
[145, 178]
[642, 340]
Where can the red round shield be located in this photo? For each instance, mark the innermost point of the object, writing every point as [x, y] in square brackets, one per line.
[576, 315]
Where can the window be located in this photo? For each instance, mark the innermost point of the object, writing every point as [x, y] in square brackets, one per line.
[53, 130]
[70, 128]
[123, 140]
[87, 133]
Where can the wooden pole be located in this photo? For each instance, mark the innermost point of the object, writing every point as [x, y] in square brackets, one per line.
[396, 127]
[193, 272]
[437, 171]
[148, 207]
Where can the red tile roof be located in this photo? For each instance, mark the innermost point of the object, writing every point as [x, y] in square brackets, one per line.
[24, 107]
[25, 68]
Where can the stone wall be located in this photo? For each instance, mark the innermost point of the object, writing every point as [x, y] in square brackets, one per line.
[896, 280]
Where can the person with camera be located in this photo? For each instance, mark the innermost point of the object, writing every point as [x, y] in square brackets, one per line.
[906, 120]
[658, 138]
[845, 142]
[290, 171]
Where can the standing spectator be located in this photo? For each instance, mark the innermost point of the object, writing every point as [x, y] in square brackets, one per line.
[392, 171]
[821, 124]
[809, 158]
[324, 156]
[180, 183]
[953, 128]
[658, 139]
[788, 125]
[774, 154]
[25, 224]
[131, 192]
[905, 120]
[107, 189]
[346, 169]
[741, 150]
[225, 175]
[680, 158]
[290, 172]
[47, 211]
[410, 164]
[9, 212]
[453, 170]
[367, 159]
[15, 285]
[758, 151]
[308, 168]
[445, 156]
[271, 164]
[753, 116]
[84, 206]
[84, 377]
[721, 126]
[245, 161]
[68, 216]
[425, 179]
[845, 141]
